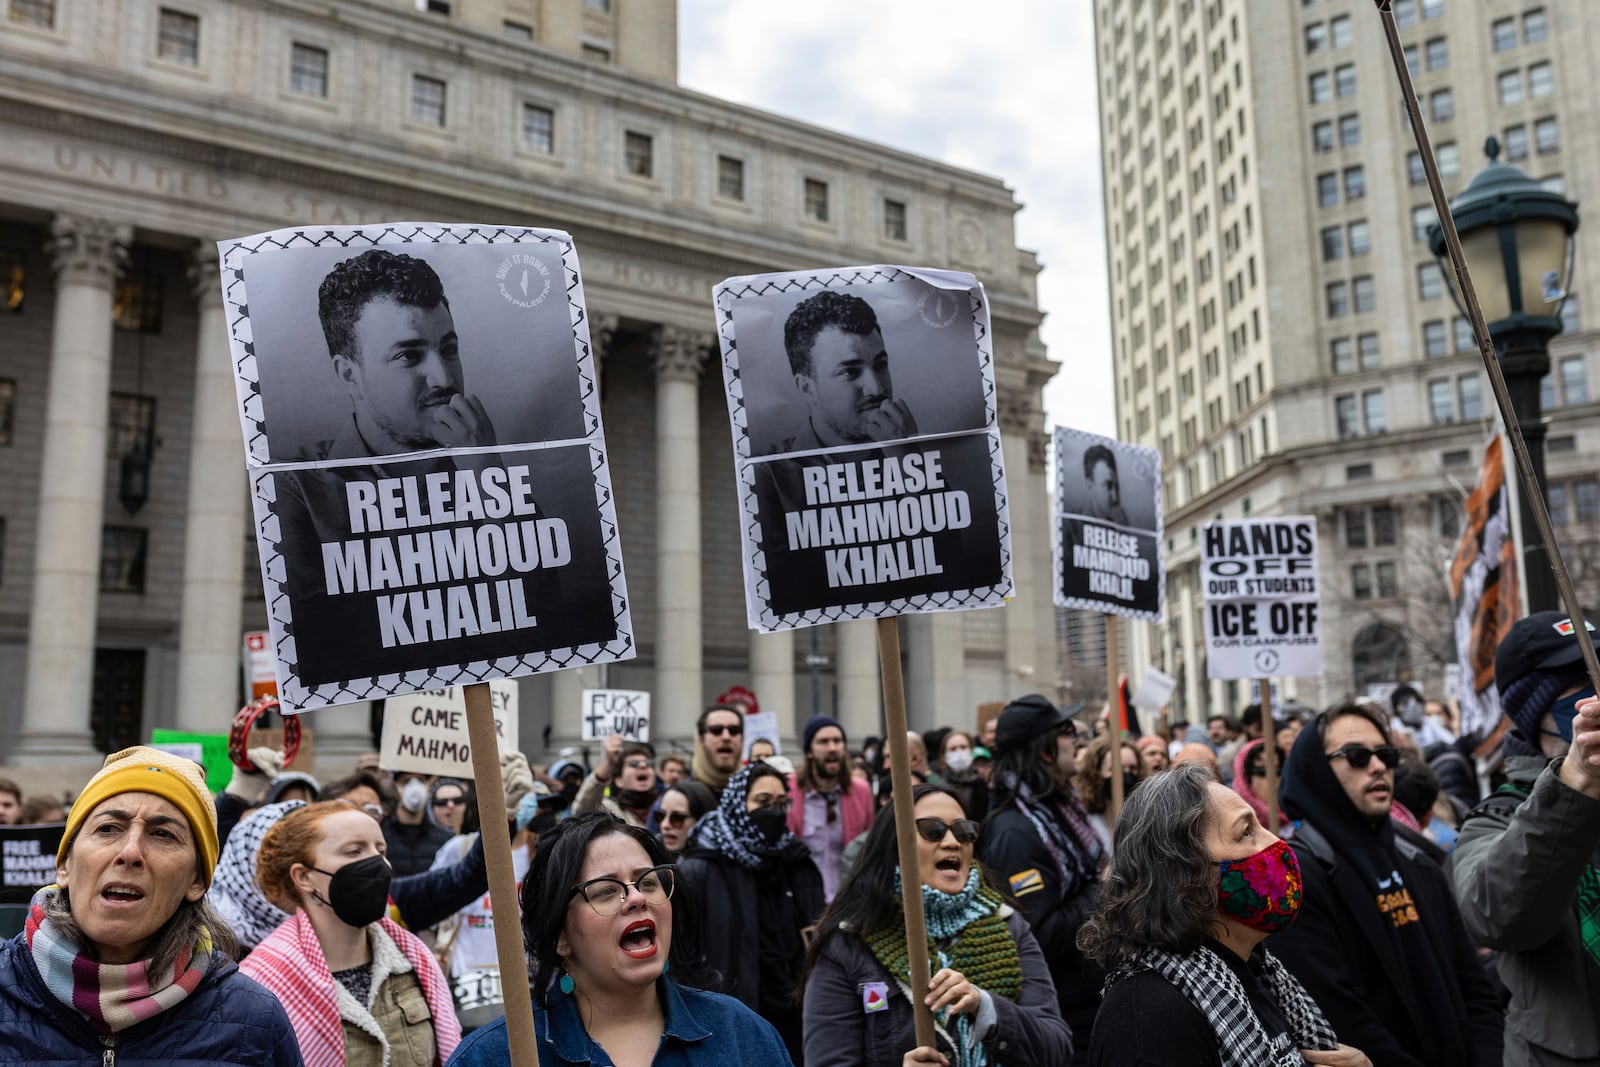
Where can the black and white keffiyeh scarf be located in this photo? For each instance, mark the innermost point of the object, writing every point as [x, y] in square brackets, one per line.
[234, 892]
[1213, 987]
[1064, 827]
[728, 828]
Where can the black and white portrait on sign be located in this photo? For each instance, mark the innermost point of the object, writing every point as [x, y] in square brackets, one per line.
[1108, 550]
[432, 500]
[867, 452]
[406, 348]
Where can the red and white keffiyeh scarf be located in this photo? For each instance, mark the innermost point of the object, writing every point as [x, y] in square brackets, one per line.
[290, 964]
[111, 996]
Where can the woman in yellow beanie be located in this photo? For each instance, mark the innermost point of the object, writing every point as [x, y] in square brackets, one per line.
[122, 960]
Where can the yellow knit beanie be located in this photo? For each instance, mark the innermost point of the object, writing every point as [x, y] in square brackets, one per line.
[141, 769]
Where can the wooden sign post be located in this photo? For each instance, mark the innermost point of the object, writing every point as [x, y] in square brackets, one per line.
[1113, 723]
[1269, 753]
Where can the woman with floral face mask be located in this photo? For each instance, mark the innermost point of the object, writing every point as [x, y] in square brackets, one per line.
[359, 988]
[1195, 885]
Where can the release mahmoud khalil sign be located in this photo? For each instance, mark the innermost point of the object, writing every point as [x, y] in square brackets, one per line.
[1262, 605]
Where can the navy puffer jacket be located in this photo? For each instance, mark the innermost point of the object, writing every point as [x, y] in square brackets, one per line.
[228, 1021]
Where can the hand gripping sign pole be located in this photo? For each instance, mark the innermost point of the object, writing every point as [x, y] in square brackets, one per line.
[894, 722]
[1528, 481]
[502, 878]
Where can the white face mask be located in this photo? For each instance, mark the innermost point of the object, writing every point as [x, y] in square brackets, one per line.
[958, 760]
[413, 795]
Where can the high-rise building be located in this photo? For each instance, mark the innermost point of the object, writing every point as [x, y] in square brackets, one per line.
[1281, 332]
[136, 135]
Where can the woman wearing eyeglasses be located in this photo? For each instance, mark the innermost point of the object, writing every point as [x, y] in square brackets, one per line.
[604, 923]
[358, 987]
[756, 894]
[680, 808]
[991, 993]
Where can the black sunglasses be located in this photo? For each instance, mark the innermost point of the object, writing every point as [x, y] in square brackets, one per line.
[675, 818]
[1358, 756]
[933, 830]
[717, 729]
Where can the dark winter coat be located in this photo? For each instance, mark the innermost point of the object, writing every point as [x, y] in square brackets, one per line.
[228, 1021]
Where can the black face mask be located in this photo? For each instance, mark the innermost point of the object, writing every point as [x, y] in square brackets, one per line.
[358, 892]
[1130, 781]
[770, 824]
[543, 822]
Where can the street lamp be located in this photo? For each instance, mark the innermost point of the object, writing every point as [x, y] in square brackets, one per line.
[1516, 236]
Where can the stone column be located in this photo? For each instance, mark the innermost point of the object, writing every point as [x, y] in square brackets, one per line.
[213, 545]
[772, 678]
[855, 665]
[678, 355]
[936, 687]
[87, 254]
[1019, 422]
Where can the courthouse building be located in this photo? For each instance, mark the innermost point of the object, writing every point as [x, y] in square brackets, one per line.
[136, 135]
[1282, 333]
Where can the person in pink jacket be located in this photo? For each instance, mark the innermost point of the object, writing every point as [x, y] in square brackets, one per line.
[829, 807]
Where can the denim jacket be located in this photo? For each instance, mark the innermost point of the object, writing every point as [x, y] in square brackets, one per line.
[702, 1030]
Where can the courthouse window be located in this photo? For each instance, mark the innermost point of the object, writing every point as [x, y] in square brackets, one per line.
[427, 100]
[894, 220]
[122, 558]
[132, 424]
[178, 37]
[34, 12]
[516, 31]
[308, 70]
[730, 177]
[8, 408]
[639, 154]
[538, 128]
[136, 302]
[816, 195]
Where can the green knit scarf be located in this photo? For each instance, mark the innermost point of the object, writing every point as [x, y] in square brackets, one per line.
[965, 932]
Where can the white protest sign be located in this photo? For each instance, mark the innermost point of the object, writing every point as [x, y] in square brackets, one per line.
[458, 525]
[762, 726]
[1262, 611]
[1109, 554]
[427, 732]
[1452, 681]
[871, 493]
[615, 711]
[1154, 690]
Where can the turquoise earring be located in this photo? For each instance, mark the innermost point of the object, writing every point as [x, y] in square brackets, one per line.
[566, 984]
[665, 967]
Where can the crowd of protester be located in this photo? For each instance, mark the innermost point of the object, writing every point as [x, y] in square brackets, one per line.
[1345, 892]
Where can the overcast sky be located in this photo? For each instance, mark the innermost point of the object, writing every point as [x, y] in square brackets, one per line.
[1004, 87]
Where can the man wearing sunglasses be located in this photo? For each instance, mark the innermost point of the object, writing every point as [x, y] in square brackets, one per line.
[719, 746]
[1379, 942]
[1527, 862]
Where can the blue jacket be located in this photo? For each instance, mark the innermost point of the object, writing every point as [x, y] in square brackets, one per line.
[703, 1030]
[229, 1021]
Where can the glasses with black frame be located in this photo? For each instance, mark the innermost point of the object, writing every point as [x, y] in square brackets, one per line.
[1358, 756]
[606, 896]
[717, 729]
[933, 830]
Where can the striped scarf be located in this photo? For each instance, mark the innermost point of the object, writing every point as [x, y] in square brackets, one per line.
[111, 996]
[1064, 829]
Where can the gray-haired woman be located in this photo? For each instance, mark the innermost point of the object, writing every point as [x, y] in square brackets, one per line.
[1195, 885]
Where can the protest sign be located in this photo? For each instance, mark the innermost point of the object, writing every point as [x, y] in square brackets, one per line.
[213, 753]
[762, 726]
[27, 860]
[422, 426]
[1154, 689]
[866, 447]
[260, 668]
[427, 732]
[1108, 548]
[615, 711]
[1262, 609]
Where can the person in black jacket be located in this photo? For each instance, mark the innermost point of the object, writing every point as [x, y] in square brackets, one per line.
[1039, 839]
[1379, 943]
[757, 895]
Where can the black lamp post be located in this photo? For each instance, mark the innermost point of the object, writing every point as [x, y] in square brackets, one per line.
[1517, 239]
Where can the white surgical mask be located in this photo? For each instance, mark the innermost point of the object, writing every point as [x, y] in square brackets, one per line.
[413, 795]
[958, 760]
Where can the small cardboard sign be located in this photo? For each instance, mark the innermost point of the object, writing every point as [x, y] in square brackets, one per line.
[427, 732]
[27, 860]
[260, 665]
[615, 711]
[762, 726]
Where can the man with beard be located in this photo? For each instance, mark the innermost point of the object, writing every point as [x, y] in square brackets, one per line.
[1040, 840]
[828, 808]
[719, 746]
[623, 784]
[1379, 942]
